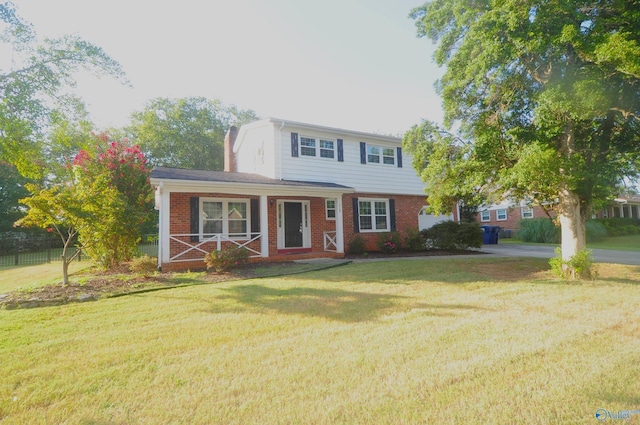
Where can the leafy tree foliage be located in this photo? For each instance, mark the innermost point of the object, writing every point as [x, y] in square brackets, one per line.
[12, 188]
[545, 98]
[187, 132]
[32, 83]
[113, 185]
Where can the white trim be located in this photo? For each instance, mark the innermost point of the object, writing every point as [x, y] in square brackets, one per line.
[372, 202]
[306, 223]
[524, 210]
[484, 220]
[506, 214]
[225, 218]
[327, 209]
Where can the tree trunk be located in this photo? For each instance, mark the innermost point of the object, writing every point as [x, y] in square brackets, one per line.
[65, 270]
[572, 227]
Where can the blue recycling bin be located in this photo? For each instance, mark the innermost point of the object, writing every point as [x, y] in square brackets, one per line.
[487, 234]
[491, 234]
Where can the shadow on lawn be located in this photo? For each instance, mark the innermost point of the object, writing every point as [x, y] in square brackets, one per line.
[333, 304]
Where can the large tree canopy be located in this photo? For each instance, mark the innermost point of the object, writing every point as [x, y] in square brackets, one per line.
[545, 96]
[34, 78]
[187, 132]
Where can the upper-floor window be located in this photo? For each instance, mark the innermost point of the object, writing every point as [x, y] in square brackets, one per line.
[485, 216]
[323, 148]
[380, 155]
[501, 214]
[527, 212]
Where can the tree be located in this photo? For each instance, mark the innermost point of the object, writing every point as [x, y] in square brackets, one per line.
[545, 98]
[58, 209]
[12, 189]
[187, 132]
[31, 86]
[113, 185]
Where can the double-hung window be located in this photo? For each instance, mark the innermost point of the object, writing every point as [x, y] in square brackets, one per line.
[323, 148]
[373, 215]
[227, 217]
[527, 212]
[380, 155]
[485, 215]
[330, 208]
[501, 215]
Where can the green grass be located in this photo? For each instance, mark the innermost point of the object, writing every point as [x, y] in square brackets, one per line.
[28, 277]
[620, 243]
[470, 341]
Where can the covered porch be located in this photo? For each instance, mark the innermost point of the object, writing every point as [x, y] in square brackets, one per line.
[274, 220]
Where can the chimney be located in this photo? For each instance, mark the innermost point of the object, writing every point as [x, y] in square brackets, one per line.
[229, 156]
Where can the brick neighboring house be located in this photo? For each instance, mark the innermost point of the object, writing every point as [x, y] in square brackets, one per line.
[508, 215]
[290, 190]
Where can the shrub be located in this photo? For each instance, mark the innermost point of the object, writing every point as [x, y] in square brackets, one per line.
[226, 259]
[539, 230]
[144, 265]
[595, 231]
[580, 266]
[414, 241]
[389, 243]
[452, 235]
[356, 246]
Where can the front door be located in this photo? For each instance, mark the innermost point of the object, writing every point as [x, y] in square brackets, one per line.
[293, 224]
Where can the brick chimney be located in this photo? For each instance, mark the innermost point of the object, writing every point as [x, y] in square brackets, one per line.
[229, 156]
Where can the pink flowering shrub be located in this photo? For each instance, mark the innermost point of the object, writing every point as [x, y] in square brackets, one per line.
[113, 181]
[389, 243]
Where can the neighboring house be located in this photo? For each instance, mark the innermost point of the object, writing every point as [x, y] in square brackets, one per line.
[508, 214]
[289, 190]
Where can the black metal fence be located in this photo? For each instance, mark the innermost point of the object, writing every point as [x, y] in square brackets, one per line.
[18, 249]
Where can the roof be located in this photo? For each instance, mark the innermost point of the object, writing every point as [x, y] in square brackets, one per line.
[165, 173]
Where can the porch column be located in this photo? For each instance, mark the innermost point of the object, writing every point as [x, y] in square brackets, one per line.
[339, 226]
[164, 228]
[621, 210]
[264, 226]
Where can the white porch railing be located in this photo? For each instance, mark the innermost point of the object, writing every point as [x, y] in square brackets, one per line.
[330, 243]
[217, 239]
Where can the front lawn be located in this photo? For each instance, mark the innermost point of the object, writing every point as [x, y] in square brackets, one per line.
[457, 340]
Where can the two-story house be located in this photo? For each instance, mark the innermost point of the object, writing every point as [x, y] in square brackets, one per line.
[289, 191]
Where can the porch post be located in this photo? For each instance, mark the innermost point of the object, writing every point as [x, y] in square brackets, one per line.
[264, 226]
[339, 226]
[164, 228]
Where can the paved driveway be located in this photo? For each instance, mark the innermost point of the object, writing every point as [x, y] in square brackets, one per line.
[544, 251]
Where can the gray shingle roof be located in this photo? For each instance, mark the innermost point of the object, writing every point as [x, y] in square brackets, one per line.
[165, 173]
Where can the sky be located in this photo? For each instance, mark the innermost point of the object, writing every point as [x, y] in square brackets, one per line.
[352, 64]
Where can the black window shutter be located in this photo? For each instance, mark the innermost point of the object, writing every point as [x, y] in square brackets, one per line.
[356, 216]
[399, 155]
[255, 217]
[294, 144]
[194, 218]
[363, 153]
[392, 215]
[340, 151]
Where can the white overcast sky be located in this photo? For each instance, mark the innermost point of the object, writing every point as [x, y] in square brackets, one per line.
[353, 64]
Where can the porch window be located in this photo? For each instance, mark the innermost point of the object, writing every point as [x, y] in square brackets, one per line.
[373, 215]
[330, 208]
[228, 217]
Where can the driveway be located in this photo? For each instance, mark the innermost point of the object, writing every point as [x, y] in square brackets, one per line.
[545, 251]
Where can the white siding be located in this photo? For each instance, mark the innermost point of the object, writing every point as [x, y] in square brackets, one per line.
[264, 147]
[255, 152]
[370, 178]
